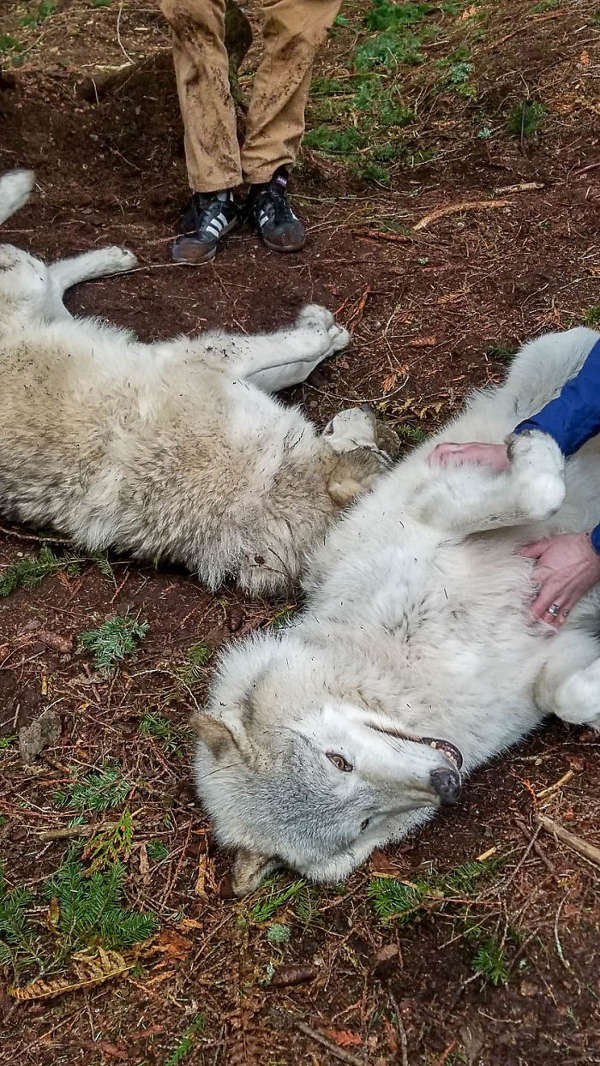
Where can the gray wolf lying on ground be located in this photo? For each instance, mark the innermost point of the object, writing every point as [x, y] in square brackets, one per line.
[415, 659]
[177, 449]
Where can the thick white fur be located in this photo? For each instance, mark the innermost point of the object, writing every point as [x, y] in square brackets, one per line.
[173, 450]
[417, 622]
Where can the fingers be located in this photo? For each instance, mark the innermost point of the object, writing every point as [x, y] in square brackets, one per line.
[535, 550]
[554, 603]
[442, 453]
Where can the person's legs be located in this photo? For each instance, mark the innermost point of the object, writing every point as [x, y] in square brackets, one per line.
[293, 31]
[208, 113]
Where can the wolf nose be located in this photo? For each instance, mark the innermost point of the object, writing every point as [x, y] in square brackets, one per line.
[447, 785]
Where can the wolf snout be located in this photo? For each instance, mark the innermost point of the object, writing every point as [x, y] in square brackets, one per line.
[446, 783]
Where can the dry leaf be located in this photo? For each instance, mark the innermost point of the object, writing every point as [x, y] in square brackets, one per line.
[390, 381]
[173, 945]
[584, 59]
[345, 1038]
[391, 1036]
[423, 342]
[189, 923]
[468, 13]
[53, 916]
[89, 969]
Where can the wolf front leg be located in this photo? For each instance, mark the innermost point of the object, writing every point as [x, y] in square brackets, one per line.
[97, 264]
[471, 499]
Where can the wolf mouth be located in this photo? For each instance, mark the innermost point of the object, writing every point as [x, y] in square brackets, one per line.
[450, 750]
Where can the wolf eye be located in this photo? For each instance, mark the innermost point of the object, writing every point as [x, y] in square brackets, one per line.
[340, 762]
[363, 825]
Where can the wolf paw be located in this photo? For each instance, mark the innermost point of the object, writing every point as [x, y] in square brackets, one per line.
[578, 698]
[15, 189]
[538, 467]
[117, 260]
[316, 317]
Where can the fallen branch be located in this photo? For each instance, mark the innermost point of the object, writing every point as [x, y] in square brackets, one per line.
[526, 186]
[589, 851]
[456, 209]
[381, 235]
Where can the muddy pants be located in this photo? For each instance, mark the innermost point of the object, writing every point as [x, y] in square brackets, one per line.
[292, 32]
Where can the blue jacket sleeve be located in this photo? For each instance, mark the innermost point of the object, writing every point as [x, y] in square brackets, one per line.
[574, 416]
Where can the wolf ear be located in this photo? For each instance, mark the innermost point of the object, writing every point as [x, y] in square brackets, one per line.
[220, 737]
[354, 473]
[249, 869]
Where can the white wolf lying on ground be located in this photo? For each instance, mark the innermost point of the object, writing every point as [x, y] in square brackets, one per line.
[318, 744]
[175, 449]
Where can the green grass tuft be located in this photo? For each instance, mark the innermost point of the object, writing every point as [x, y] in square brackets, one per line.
[592, 316]
[113, 641]
[412, 434]
[388, 51]
[99, 790]
[386, 16]
[34, 18]
[526, 118]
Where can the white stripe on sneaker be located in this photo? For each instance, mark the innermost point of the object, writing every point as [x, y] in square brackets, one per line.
[214, 229]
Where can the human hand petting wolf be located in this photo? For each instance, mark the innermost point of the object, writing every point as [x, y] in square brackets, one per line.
[566, 567]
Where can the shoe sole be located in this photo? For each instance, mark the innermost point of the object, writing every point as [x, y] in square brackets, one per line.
[282, 247]
[191, 252]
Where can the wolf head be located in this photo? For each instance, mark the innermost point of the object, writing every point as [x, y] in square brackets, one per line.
[296, 769]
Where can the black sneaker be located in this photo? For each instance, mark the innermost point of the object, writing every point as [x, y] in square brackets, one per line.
[268, 209]
[204, 221]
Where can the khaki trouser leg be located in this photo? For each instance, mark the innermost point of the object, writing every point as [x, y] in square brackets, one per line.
[202, 72]
[293, 31]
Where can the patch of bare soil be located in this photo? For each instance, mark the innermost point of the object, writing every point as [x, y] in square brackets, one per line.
[434, 312]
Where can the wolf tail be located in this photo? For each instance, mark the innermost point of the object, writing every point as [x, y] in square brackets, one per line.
[15, 190]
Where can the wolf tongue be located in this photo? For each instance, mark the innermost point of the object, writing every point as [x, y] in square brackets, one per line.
[444, 745]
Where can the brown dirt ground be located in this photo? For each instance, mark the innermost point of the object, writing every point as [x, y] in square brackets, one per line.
[425, 313]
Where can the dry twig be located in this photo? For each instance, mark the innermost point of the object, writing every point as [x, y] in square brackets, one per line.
[338, 1052]
[576, 843]
[456, 209]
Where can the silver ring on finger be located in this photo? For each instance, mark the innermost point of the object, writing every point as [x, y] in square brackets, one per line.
[554, 610]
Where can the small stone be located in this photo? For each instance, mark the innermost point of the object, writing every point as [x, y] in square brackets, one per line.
[42, 733]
